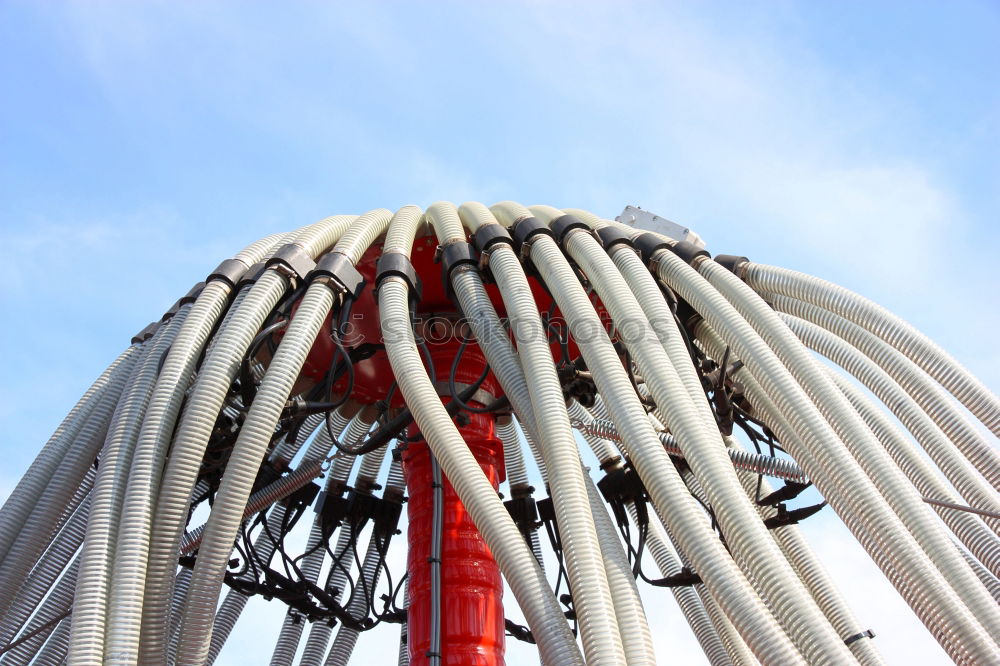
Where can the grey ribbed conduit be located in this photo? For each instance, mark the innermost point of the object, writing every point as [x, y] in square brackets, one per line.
[58, 603]
[606, 639]
[181, 583]
[516, 562]
[71, 529]
[507, 431]
[838, 477]
[915, 345]
[972, 448]
[24, 497]
[337, 578]
[696, 431]
[255, 435]
[54, 652]
[291, 628]
[357, 607]
[916, 516]
[650, 459]
[968, 527]
[72, 468]
[194, 427]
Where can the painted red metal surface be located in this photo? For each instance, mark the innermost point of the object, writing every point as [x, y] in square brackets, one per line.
[472, 618]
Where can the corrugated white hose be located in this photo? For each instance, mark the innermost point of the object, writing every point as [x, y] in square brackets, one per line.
[58, 603]
[319, 635]
[25, 495]
[181, 583]
[902, 497]
[194, 429]
[915, 345]
[696, 432]
[222, 362]
[51, 565]
[256, 432]
[312, 563]
[919, 387]
[517, 563]
[841, 482]
[812, 573]
[157, 424]
[599, 629]
[264, 544]
[507, 432]
[344, 643]
[966, 526]
[234, 602]
[653, 464]
[902, 450]
[76, 464]
[54, 652]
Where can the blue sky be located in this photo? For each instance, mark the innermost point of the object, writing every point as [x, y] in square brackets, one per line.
[140, 143]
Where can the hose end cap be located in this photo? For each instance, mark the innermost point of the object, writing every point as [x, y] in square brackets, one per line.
[731, 262]
[688, 251]
[648, 244]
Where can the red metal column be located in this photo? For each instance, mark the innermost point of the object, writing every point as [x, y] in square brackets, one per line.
[472, 618]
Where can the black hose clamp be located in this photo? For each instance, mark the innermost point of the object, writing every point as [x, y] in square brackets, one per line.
[146, 333]
[451, 257]
[867, 633]
[688, 251]
[563, 224]
[252, 274]
[732, 263]
[230, 271]
[292, 261]
[648, 244]
[186, 299]
[398, 264]
[524, 229]
[611, 236]
[341, 274]
[486, 238]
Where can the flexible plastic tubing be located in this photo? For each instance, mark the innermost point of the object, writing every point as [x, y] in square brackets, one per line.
[915, 515]
[915, 345]
[58, 602]
[517, 563]
[40, 525]
[599, 627]
[337, 578]
[357, 607]
[52, 564]
[256, 432]
[25, 495]
[651, 461]
[696, 432]
[507, 431]
[932, 400]
[291, 629]
[915, 466]
[54, 651]
[181, 583]
[232, 605]
[220, 366]
[837, 475]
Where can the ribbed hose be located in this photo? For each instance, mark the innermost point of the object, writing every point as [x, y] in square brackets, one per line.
[312, 563]
[696, 432]
[221, 364]
[915, 345]
[25, 495]
[59, 602]
[181, 583]
[241, 471]
[40, 525]
[344, 643]
[596, 611]
[913, 513]
[319, 636]
[811, 572]
[54, 652]
[977, 537]
[653, 464]
[507, 431]
[839, 479]
[255, 435]
[234, 602]
[919, 388]
[555, 642]
[52, 564]
[101, 548]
